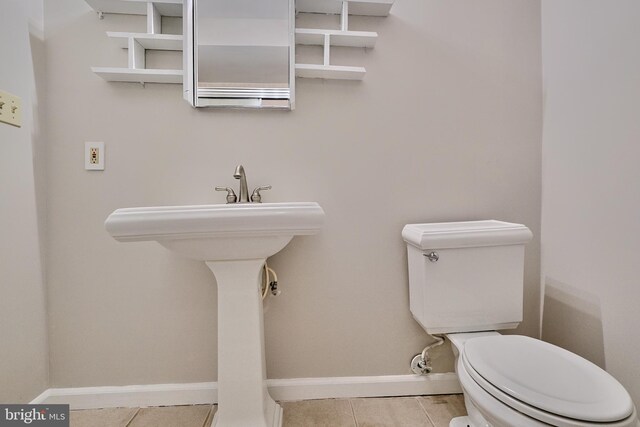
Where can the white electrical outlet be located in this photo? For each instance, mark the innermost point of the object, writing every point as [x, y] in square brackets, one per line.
[94, 156]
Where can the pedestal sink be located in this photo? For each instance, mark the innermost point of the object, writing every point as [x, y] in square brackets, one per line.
[234, 240]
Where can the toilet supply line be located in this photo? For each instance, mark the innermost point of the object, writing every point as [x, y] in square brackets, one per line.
[267, 284]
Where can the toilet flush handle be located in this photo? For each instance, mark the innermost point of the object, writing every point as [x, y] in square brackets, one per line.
[432, 256]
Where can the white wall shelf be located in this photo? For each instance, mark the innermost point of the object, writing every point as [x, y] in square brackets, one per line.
[137, 7]
[138, 43]
[174, 7]
[342, 37]
[338, 72]
[148, 41]
[356, 7]
[311, 36]
[143, 75]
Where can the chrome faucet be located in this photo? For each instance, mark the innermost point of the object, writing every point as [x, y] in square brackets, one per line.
[256, 197]
[244, 191]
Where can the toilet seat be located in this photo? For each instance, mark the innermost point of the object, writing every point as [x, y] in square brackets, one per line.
[546, 382]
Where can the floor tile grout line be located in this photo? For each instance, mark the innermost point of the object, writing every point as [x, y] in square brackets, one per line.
[135, 414]
[353, 413]
[425, 411]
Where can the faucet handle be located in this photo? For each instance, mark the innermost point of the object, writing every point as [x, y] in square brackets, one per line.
[256, 197]
[231, 195]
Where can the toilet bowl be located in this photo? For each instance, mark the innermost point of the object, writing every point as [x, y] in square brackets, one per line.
[466, 282]
[517, 381]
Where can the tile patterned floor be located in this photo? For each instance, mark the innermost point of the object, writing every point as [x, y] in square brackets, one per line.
[428, 411]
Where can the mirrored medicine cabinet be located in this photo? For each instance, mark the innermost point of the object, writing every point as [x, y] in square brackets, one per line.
[239, 53]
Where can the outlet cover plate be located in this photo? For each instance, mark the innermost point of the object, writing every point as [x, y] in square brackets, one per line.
[10, 109]
[94, 156]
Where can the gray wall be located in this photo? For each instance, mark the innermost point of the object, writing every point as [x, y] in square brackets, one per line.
[591, 202]
[23, 333]
[445, 126]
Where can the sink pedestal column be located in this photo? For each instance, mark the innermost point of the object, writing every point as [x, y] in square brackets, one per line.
[243, 399]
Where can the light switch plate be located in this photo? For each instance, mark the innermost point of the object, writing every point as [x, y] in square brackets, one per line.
[10, 109]
[94, 156]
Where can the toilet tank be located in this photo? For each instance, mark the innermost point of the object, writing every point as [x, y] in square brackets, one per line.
[466, 276]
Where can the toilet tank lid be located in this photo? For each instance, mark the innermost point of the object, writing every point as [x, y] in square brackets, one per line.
[443, 235]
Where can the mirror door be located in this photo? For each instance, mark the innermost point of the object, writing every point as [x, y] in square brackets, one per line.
[239, 53]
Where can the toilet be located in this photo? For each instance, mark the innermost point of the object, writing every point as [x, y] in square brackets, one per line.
[466, 282]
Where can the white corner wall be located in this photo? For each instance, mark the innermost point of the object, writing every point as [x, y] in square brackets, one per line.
[24, 355]
[591, 177]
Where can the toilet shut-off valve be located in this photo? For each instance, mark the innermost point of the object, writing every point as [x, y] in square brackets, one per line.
[421, 363]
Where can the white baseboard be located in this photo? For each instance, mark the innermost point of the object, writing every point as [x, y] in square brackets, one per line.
[281, 390]
[390, 385]
[131, 395]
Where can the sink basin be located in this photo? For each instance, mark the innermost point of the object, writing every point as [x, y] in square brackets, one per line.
[234, 240]
[218, 232]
